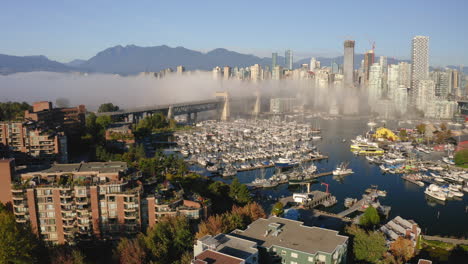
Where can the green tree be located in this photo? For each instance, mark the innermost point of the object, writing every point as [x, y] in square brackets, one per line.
[103, 121]
[403, 135]
[277, 209]
[13, 110]
[421, 128]
[17, 243]
[461, 157]
[370, 217]
[367, 246]
[239, 192]
[108, 107]
[169, 239]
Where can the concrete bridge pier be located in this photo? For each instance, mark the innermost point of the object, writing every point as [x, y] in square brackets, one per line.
[131, 118]
[195, 115]
[170, 113]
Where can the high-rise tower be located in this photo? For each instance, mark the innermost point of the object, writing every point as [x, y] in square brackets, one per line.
[274, 60]
[369, 58]
[348, 64]
[288, 59]
[420, 64]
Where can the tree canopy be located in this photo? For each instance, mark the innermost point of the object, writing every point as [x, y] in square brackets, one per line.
[461, 157]
[13, 110]
[239, 192]
[168, 240]
[17, 243]
[108, 107]
[367, 246]
[402, 249]
[370, 217]
[277, 209]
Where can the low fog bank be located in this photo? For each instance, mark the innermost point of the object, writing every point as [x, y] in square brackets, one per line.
[125, 91]
[146, 90]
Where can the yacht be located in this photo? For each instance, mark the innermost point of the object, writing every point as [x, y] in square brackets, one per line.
[435, 191]
[342, 169]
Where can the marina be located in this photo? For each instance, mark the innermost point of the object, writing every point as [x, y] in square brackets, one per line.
[406, 198]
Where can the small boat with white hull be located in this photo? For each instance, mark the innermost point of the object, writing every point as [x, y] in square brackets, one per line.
[342, 169]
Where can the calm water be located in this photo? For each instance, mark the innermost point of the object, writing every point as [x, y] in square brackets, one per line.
[406, 199]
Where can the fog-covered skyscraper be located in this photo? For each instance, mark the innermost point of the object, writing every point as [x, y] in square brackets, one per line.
[368, 61]
[420, 64]
[348, 64]
[288, 59]
[274, 60]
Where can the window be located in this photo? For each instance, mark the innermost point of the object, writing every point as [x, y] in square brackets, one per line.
[293, 255]
[50, 214]
[311, 259]
[53, 236]
[112, 214]
[293, 262]
[112, 206]
[50, 207]
[283, 252]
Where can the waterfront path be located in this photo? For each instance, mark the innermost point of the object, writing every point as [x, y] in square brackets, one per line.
[447, 240]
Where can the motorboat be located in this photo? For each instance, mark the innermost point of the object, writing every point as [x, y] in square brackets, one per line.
[435, 192]
[342, 169]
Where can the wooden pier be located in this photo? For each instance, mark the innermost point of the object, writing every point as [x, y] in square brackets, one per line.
[343, 218]
[357, 206]
[313, 178]
[318, 198]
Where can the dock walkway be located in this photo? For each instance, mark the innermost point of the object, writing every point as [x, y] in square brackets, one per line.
[353, 208]
[272, 165]
[447, 240]
[314, 176]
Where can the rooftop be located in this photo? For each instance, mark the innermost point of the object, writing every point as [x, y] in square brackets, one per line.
[291, 234]
[213, 257]
[230, 245]
[101, 167]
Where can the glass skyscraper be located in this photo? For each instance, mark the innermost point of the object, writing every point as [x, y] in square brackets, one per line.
[274, 60]
[288, 60]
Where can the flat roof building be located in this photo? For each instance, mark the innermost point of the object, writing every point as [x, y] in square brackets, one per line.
[233, 246]
[290, 241]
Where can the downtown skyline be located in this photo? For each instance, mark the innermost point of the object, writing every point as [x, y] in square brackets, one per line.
[67, 31]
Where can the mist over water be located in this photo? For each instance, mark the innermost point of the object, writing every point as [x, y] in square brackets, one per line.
[146, 90]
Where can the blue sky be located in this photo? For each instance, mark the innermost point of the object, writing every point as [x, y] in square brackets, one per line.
[65, 30]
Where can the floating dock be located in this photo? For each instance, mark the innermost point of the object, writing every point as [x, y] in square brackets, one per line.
[273, 165]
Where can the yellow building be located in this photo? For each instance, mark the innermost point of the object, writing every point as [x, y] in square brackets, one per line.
[386, 133]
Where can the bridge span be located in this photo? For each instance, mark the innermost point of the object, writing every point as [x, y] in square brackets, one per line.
[191, 109]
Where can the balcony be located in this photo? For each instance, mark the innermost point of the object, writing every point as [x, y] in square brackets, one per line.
[68, 224]
[80, 224]
[130, 209]
[20, 212]
[130, 216]
[82, 201]
[84, 216]
[65, 194]
[66, 201]
[67, 217]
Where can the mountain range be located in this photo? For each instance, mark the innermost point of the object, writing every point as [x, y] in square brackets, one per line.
[133, 59]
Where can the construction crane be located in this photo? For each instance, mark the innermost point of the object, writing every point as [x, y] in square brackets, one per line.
[326, 184]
